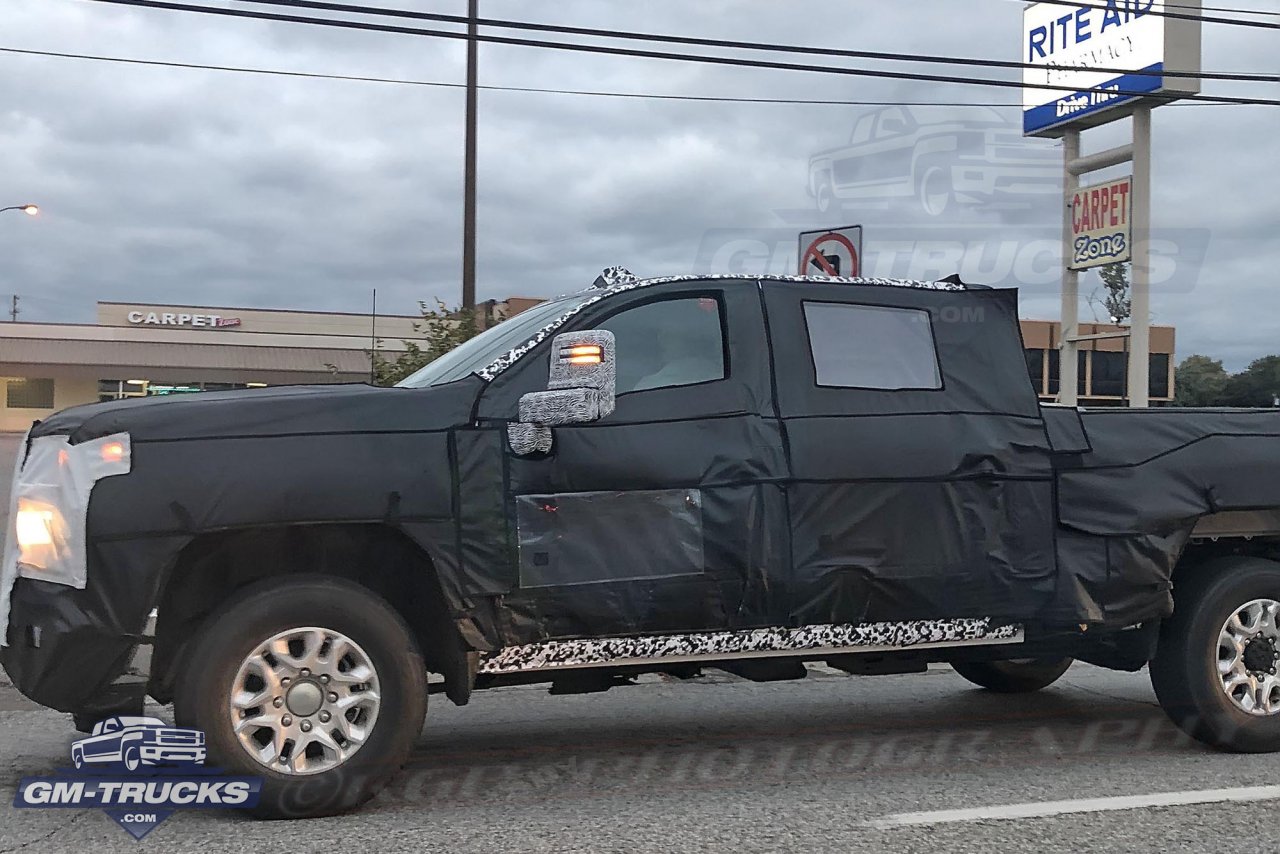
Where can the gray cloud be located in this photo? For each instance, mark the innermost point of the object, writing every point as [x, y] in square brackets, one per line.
[198, 186]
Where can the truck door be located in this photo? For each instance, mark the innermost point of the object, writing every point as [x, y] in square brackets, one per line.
[921, 483]
[656, 518]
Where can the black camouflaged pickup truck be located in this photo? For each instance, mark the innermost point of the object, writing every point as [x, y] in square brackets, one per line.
[650, 475]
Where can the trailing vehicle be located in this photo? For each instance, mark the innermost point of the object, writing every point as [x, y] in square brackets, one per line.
[647, 476]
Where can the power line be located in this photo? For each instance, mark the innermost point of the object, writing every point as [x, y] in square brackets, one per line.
[1183, 16]
[651, 54]
[598, 93]
[1222, 9]
[560, 29]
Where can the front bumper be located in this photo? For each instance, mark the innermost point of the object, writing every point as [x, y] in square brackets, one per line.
[158, 753]
[63, 656]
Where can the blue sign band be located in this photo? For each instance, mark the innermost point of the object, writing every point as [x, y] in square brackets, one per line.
[1072, 106]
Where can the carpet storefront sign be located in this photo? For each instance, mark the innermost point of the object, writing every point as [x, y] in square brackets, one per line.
[171, 318]
[1105, 55]
[1100, 224]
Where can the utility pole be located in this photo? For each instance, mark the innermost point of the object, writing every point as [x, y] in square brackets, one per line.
[13, 309]
[469, 167]
[373, 339]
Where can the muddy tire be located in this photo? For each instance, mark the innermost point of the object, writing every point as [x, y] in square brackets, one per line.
[1217, 666]
[313, 684]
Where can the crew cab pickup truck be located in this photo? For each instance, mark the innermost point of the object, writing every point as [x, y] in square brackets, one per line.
[651, 475]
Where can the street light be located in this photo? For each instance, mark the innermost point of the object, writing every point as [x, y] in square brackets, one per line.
[29, 210]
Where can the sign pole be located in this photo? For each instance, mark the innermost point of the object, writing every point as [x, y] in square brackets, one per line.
[1140, 279]
[1068, 363]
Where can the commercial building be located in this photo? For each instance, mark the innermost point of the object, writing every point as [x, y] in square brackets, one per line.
[135, 350]
[1103, 362]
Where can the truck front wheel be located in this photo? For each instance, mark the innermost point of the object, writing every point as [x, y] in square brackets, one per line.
[1217, 667]
[311, 683]
[1015, 676]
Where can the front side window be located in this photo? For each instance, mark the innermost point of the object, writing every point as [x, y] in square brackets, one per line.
[868, 346]
[480, 351]
[668, 343]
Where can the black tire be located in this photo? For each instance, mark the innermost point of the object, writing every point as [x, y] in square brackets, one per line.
[266, 608]
[1184, 672]
[77, 758]
[1016, 676]
[132, 757]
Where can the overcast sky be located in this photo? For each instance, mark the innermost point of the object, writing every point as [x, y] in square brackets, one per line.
[205, 187]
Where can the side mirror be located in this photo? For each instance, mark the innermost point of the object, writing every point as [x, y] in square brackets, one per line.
[580, 389]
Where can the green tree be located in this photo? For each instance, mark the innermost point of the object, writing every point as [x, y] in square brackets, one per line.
[1200, 381]
[1115, 278]
[441, 329]
[1256, 385]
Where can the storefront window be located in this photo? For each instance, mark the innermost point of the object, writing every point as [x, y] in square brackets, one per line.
[29, 394]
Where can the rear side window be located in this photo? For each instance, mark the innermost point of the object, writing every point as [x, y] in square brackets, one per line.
[870, 346]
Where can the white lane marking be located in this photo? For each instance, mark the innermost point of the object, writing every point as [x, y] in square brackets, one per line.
[1046, 809]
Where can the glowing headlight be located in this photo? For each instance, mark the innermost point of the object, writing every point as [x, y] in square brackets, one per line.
[34, 525]
[49, 507]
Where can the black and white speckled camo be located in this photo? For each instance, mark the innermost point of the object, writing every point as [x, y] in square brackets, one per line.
[626, 282]
[847, 637]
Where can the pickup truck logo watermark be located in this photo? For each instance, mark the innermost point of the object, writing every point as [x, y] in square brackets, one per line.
[942, 159]
[138, 770]
[943, 191]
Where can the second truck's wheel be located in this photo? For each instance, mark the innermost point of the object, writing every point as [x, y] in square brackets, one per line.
[132, 757]
[313, 684]
[1217, 667]
[1015, 676]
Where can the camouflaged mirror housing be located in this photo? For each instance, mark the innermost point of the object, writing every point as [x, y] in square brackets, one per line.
[580, 389]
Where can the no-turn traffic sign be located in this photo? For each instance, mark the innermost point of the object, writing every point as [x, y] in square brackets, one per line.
[831, 252]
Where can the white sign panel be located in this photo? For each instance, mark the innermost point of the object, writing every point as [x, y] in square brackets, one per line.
[1101, 232]
[1142, 49]
[831, 252]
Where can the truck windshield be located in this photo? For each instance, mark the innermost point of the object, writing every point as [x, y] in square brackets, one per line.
[471, 356]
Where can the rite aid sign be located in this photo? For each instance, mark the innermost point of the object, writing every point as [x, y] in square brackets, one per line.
[170, 318]
[1142, 48]
[1100, 224]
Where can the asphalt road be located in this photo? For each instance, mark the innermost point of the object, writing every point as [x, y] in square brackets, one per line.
[719, 764]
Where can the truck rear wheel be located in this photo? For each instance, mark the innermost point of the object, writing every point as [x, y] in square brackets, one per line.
[313, 684]
[1015, 676]
[1216, 667]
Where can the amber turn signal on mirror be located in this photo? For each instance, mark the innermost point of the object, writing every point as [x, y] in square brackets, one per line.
[582, 354]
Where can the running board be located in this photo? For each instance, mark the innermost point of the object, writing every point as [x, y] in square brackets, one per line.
[809, 641]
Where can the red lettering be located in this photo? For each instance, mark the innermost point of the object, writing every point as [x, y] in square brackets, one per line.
[1123, 188]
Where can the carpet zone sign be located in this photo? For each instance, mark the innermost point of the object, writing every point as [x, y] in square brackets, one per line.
[1101, 224]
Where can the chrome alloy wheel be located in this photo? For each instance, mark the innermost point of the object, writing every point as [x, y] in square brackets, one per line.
[1249, 657]
[305, 700]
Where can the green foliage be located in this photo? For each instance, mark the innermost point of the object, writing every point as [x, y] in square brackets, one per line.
[441, 329]
[1115, 278]
[1200, 381]
[1256, 385]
